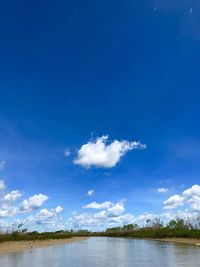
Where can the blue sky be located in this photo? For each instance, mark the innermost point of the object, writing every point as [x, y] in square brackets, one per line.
[75, 74]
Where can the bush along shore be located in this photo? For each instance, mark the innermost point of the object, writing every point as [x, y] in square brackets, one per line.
[177, 228]
[154, 229]
[24, 235]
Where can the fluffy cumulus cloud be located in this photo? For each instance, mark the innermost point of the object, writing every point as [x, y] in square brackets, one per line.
[12, 196]
[90, 193]
[12, 206]
[33, 203]
[46, 216]
[173, 202]
[7, 211]
[193, 191]
[111, 215]
[190, 197]
[44, 220]
[99, 153]
[95, 205]
[115, 216]
[162, 190]
[115, 210]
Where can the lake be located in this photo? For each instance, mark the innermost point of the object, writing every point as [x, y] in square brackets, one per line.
[107, 252]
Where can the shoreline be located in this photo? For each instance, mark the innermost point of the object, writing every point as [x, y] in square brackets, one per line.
[180, 240]
[19, 246]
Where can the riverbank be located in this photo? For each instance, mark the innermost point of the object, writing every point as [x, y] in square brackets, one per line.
[191, 241]
[18, 246]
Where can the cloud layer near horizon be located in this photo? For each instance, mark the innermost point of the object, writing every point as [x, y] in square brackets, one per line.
[98, 215]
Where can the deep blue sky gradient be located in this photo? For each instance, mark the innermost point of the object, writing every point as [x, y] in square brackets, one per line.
[75, 70]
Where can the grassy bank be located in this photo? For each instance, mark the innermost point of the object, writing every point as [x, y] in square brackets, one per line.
[156, 233]
[176, 228]
[153, 229]
[31, 236]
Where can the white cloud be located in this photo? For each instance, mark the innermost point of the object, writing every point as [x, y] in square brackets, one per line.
[112, 215]
[162, 190]
[194, 203]
[2, 165]
[58, 209]
[116, 210]
[45, 215]
[12, 196]
[98, 216]
[101, 215]
[10, 207]
[100, 154]
[95, 205]
[121, 220]
[193, 191]
[33, 203]
[45, 219]
[173, 202]
[190, 196]
[2, 185]
[7, 211]
[67, 152]
[90, 193]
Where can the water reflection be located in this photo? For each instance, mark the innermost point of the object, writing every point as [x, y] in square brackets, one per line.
[107, 252]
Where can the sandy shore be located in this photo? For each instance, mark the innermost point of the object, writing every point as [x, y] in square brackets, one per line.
[191, 241]
[17, 246]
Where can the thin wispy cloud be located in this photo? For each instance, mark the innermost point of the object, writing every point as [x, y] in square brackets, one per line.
[67, 152]
[162, 190]
[2, 185]
[2, 165]
[90, 193]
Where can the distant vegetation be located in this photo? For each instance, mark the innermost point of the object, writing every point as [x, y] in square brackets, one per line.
[21, 234]
[153, 229]
[156, 229]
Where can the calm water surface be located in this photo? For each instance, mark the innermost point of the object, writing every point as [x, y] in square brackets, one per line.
[107, 252]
